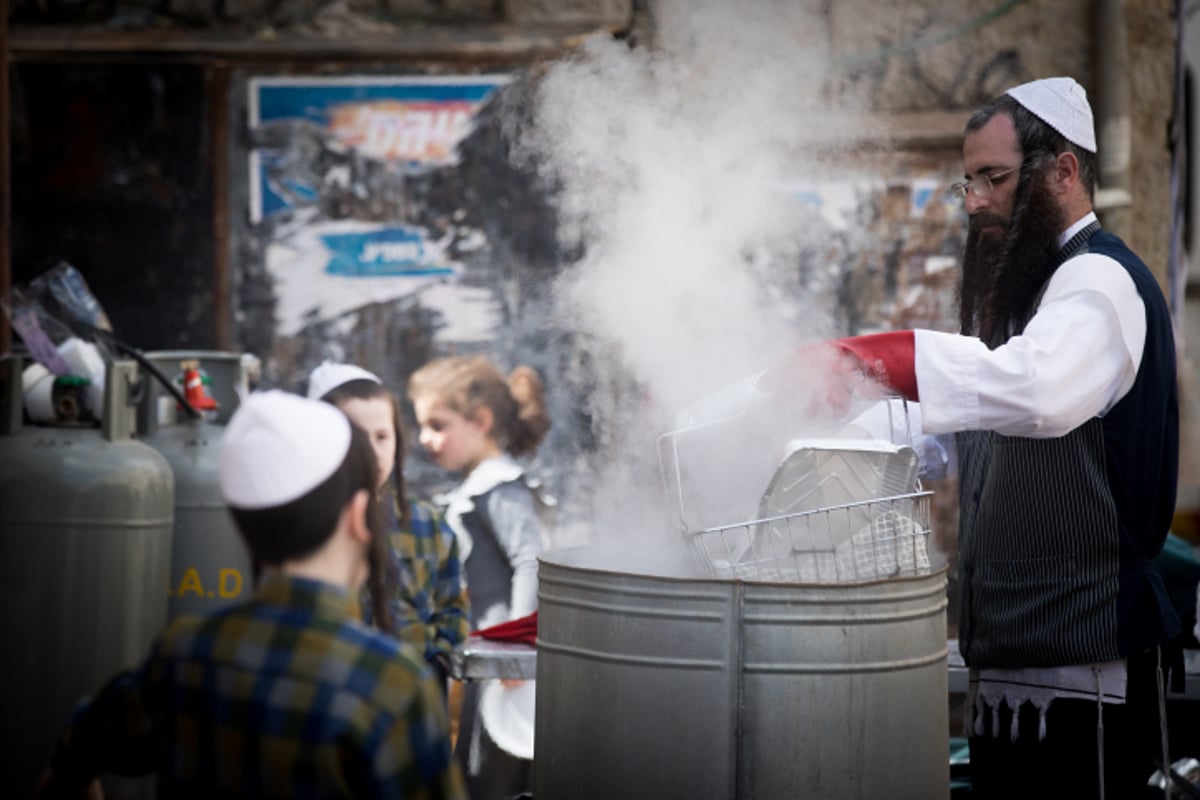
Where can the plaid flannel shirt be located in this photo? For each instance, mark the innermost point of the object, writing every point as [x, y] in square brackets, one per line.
[284, 696]
[429, 606]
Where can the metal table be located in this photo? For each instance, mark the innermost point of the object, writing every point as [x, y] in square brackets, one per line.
[479, 659]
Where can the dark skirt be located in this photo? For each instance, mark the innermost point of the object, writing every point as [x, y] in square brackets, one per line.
[498, 775]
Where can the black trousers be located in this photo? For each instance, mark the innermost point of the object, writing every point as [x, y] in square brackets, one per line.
[1066, 763]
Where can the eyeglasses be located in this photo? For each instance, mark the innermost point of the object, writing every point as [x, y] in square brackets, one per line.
[982, 185]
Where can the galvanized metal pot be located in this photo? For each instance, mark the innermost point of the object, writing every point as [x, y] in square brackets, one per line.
[662, 687]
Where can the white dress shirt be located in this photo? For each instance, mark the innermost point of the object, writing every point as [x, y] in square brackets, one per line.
[1075, 359]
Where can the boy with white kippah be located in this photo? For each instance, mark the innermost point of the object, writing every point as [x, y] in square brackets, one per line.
[1058, 397]
[329, 375]
[287, 695]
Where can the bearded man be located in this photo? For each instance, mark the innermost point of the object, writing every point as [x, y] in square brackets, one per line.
[1060, 391]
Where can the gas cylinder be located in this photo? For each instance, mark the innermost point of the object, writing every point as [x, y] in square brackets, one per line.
[85, 547]
[210, 567]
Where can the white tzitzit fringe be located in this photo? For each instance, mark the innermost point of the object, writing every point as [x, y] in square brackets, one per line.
[1162, 723]
[1099, 729]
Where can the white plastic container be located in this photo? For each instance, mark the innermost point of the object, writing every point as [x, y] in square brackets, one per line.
[85, 360]
[37, 384]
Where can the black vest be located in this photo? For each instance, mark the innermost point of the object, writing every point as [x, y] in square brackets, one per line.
[1058, 536]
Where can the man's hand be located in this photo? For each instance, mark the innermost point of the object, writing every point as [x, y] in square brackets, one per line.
[886, 358]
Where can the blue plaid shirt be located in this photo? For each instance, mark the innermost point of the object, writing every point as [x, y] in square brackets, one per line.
[284, 696]
[429, 605]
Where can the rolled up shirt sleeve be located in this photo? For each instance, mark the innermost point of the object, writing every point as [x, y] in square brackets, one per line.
[518, 529]
[1075, 360]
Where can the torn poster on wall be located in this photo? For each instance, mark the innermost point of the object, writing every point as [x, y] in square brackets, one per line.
[336, 172]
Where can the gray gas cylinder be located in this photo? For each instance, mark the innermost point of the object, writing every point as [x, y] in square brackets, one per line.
[210, 567]
[85, 537]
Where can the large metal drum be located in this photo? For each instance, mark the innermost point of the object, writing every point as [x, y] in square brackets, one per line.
[85, 536]
[655, 687]
[210, 566]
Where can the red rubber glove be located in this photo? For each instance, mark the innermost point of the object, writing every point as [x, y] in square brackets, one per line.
[887, 358]
[821, 379]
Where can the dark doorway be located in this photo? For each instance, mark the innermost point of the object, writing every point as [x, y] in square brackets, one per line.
[111, 174]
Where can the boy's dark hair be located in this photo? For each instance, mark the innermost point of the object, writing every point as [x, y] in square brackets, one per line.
[298, 529]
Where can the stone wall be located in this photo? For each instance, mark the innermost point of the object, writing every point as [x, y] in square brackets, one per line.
[941, 55]
[1151, 88]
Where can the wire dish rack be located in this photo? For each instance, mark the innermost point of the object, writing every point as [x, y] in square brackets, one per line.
[888, 538]
[833, 511]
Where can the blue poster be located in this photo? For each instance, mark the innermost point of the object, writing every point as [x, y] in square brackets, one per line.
[329, 161]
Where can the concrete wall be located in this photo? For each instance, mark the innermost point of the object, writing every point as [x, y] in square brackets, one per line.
[943, 56]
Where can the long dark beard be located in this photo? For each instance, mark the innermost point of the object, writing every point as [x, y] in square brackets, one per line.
[1003, 278]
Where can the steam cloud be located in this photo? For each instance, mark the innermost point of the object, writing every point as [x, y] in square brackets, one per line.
[671, 161]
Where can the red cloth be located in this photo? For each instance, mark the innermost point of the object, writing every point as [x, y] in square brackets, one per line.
[522, 630]
[888, 358]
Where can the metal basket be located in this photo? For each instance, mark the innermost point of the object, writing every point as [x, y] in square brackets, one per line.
[725, 450]
[863, 541]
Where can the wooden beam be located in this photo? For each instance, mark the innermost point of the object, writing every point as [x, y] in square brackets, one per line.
[217, 86]
[5, 181]
[470, 43]
[921, 130]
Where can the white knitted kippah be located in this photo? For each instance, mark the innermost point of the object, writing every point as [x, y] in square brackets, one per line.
[1062, 104]
[330, 375]
[278, 447]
